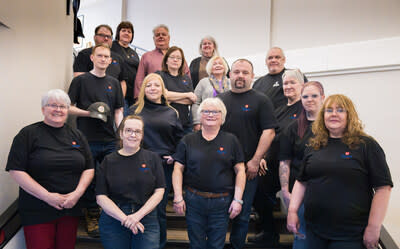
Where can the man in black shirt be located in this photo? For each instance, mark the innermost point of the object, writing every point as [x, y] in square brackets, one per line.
[86, 89]
[250, 117]
[102, 35]
[271, 83]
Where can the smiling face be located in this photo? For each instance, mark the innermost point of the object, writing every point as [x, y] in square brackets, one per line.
[55, 113]
[241, 76]
[292, 88]
[161, 38]
[275, 61]
[211, 116]
[103, 36]
[153, 90]
[207, 48]
[125, 35]
[101, 58]
[132, 134]
[174, 60]
[335, 118]
[311, 99]
[218, 67]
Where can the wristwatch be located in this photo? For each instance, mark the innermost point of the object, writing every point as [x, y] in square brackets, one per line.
[239, 201]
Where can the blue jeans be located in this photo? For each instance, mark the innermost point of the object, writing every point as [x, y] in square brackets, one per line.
[207, 220]
[300, 243]
[99, 150]
[314, 241]
[113, 235]
[240, 224]
[161, 208]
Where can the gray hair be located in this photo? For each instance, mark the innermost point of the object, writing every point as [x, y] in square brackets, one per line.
[210, 38]
[283, 54]
[216, 102]
[160, 26]
[294, 73]
[57, 95]
[211, 62]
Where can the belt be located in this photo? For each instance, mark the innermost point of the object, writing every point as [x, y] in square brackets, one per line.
[207, 194]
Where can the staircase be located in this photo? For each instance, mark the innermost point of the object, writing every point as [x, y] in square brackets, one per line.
[177, 233]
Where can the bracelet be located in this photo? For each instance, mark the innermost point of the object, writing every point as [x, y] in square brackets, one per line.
[177, 202]
[238, 201]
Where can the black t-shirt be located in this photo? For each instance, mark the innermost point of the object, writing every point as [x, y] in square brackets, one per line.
[87, 89]
[292, 148]
[130, 179]
[162, 128]
[286, 115]
[55, 158]
[182, 84]
[209, 165]
[130, 64]
[271, 85]
[248, 114]
[83, 63]
[340, 184]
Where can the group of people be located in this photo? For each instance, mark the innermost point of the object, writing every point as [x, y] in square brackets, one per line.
[223, 144]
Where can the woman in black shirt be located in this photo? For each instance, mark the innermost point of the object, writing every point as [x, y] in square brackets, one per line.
[344, 180]
[52, 164]
[292, 146]
[210, 164]
[163, 130]
[129, 186]
[124, 37]
[179, 86]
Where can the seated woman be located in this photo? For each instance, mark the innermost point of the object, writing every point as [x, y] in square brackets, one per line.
[129, 185]
[292, 146]
[344, 180]
[211, 86]
[210, 163]
[52, 164]
[163, 132]
[179, 86]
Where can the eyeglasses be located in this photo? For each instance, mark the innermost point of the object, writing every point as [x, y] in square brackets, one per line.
[208, 112]
[55, 106]
[130, 132]
[104, 36]
[175, 58]
[337, 110]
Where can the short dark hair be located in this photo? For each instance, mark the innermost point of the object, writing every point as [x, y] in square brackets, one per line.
[167, 54]
[124, 25]
[103, 26]
[244, 60]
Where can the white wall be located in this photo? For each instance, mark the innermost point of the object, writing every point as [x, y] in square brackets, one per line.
[36, 55]
[96, 12]
[238, 26]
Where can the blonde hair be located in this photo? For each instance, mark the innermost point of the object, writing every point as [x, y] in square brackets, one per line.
[140, 100]
[353, 133]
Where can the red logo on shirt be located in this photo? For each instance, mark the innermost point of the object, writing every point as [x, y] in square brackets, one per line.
[221, 150]
[143, 165]
[75, 145]
[143, 168]
[347, 155]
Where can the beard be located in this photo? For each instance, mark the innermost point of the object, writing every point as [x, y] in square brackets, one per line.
[239, 83]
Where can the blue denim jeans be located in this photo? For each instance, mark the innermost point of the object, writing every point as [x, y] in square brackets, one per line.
[161, 208]
[300, 243]
[314, 241]
[99, 150]
[240, 224]
[113, 235]
[207, 220]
